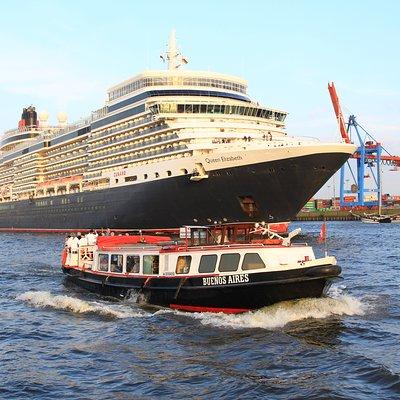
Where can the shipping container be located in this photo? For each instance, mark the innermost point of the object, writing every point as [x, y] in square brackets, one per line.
[349, 199]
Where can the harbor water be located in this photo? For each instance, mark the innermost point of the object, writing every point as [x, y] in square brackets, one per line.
[57, 341]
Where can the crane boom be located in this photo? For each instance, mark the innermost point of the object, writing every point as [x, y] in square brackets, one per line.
[389, 160]
[338, 112]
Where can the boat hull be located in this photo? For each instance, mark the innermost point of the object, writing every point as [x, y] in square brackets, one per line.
[376, 220]
[229, 293]
[278, 188]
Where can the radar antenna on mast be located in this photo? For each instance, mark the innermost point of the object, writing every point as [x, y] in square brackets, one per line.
[173, 56]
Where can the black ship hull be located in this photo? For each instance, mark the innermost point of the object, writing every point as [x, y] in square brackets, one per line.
[276, 190]
[248, 292]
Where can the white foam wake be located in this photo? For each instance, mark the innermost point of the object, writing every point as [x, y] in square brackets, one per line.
[280, 314]
[61, 302]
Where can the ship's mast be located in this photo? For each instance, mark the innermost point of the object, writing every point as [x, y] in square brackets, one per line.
[172, 53]
[173, 56]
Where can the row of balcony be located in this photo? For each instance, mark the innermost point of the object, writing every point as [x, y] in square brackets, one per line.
[92, 175]
[140, 146]
[26, 173]
[82, 161]
[25, 181]
[66, 148]
[133, 135]
[137, 157]
[27, 159]
[65, 174]
[125, 127]
[59, 159]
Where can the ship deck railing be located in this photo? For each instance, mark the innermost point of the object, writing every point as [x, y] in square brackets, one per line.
[130, 125]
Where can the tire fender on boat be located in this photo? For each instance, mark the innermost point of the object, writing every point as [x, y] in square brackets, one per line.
[324, 270]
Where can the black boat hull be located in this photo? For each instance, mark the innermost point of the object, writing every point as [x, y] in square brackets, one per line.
[248, 292]
[278, 188]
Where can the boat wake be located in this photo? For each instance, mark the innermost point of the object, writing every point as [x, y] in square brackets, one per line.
[43, 299]
[271, 317]
[281, 314]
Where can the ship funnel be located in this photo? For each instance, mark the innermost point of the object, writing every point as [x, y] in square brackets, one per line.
[62, 118]
[44, 119]
[28, 119]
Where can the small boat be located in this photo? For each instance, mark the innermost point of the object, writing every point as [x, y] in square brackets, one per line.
[231, 268]
[395, 219]
[376, 219]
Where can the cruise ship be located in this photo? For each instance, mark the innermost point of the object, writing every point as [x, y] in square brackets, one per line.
[169, 148]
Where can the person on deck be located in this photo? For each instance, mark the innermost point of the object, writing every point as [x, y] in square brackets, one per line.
[68, 244]
[82, 239]
[91, 241]
[91, 238]
[74, 246]
[66, 240]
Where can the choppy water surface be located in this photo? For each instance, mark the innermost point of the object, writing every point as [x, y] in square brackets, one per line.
[61, 342]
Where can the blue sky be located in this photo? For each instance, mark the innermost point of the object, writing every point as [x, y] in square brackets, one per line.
[63, 55]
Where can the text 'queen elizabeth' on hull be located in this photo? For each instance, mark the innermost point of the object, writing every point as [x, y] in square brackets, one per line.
[169, 148]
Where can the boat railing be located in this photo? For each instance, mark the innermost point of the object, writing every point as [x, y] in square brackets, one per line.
[180, 248]
[46, 134]
[264, 230]
[76, 125]
[124, 128]
[151, 154]
[125, 247]
[310, 138]
[144, 144]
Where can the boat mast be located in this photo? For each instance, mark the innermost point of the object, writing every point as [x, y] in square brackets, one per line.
[173, 56]
[172, 53]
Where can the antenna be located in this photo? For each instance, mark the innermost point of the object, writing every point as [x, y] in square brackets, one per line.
[173, 56]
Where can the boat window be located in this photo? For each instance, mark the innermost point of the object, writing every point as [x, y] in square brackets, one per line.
[229, 262]
[132, 264]
[103, 262]
[116, 263]
[252, 261]
[183, 264]
[207, 263]
[150, 264]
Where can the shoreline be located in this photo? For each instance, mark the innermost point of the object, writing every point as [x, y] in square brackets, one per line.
[339, 215]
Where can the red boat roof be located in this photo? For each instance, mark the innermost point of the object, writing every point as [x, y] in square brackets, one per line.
[112, 241]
